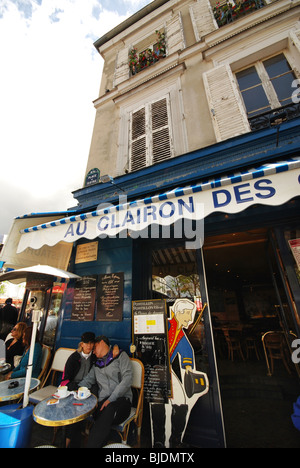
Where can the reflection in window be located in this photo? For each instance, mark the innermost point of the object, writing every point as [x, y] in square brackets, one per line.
[175, 275]
[266, 85]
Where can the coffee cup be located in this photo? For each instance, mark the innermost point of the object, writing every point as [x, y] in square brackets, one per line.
[83, 392]
[62, 391]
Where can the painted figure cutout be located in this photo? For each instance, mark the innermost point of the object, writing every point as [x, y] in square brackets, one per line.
[169, 420]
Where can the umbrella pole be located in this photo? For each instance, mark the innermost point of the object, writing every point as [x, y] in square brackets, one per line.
[36, 316]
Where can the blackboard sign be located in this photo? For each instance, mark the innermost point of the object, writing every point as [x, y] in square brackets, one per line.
[110, 297]
[150, 336]
[83, 306]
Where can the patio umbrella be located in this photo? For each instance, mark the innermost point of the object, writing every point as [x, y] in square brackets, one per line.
[20, 275]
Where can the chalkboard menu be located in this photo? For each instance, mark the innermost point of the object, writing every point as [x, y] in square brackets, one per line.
[110, 297]
[83, 306]
[150, 336]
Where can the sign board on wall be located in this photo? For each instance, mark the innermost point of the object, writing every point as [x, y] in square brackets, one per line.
[92, 177]
[150, 337]
[107, 290]
[110, 297]
[83, 307]
[86, 252]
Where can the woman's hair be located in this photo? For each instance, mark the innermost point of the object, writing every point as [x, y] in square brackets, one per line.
[27, 336]
[20, 328]
[87, 337]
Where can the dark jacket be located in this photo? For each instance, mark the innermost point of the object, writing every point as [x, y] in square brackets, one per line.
[71, 370]
[17, 349]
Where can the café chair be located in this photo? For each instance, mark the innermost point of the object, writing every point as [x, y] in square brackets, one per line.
[233, 344]
[136, 413]
[59, 361]
[274, 343]
[46, 357]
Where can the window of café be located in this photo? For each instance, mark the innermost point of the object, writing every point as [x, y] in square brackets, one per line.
[49, 302]
[248, 300]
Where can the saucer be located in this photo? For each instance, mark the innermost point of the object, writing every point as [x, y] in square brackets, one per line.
[61, 397]
[80, 399]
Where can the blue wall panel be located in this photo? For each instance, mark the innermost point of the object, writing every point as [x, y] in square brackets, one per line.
[114, 256]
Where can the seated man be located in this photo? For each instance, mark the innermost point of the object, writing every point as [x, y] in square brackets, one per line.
[114, 379]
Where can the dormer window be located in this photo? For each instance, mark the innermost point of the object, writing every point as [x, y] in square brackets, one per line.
[138, 61]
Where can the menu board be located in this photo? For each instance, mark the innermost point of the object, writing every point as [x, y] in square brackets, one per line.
[83, 307]
[150, 337]
[110, 297]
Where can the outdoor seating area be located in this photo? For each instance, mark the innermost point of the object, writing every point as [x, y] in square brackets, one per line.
[43, 411]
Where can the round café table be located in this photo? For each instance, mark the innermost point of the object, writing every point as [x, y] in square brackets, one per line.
[8, 394]
[67, 411]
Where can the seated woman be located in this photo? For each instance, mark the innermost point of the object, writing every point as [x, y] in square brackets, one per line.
[77, 367]
[14, 345]
[21, 369]
[80, 362]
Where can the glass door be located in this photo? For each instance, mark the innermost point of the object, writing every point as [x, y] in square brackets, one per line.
[193, 415]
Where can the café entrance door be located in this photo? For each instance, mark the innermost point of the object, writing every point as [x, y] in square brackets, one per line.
[249, 301]
[178, 277]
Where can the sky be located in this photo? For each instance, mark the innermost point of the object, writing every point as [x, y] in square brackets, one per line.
[50, 73]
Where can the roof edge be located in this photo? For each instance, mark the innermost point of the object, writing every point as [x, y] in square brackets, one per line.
[129, 22]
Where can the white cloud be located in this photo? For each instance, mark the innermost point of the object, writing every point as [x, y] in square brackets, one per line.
[50, 74]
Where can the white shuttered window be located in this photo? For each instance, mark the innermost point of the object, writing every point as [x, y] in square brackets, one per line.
[150, 139]
[228, 114]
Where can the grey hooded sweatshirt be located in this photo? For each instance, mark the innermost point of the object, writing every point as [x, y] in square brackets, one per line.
[112, 375]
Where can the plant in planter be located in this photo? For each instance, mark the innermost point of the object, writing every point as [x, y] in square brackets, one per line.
[229, 12]
[147, 57]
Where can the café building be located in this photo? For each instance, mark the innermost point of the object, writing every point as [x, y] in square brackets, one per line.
[191, 193]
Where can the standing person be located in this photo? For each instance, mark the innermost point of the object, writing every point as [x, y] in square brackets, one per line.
[8, 318]
[21, 369]
[113, 377]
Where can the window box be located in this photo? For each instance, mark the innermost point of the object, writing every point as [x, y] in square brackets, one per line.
[140, 61]
[229, 12]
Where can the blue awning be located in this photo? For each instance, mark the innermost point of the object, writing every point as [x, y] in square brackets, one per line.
[271, 184]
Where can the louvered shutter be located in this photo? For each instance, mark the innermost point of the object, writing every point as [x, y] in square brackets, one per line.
[227, 110]
[150, 135]
[122, 67]
[174, 35]
[138, 146]
[202, 19]
[161, 141]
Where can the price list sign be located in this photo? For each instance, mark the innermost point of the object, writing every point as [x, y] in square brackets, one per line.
[83, 307]
[110, 297]
[151, 341]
